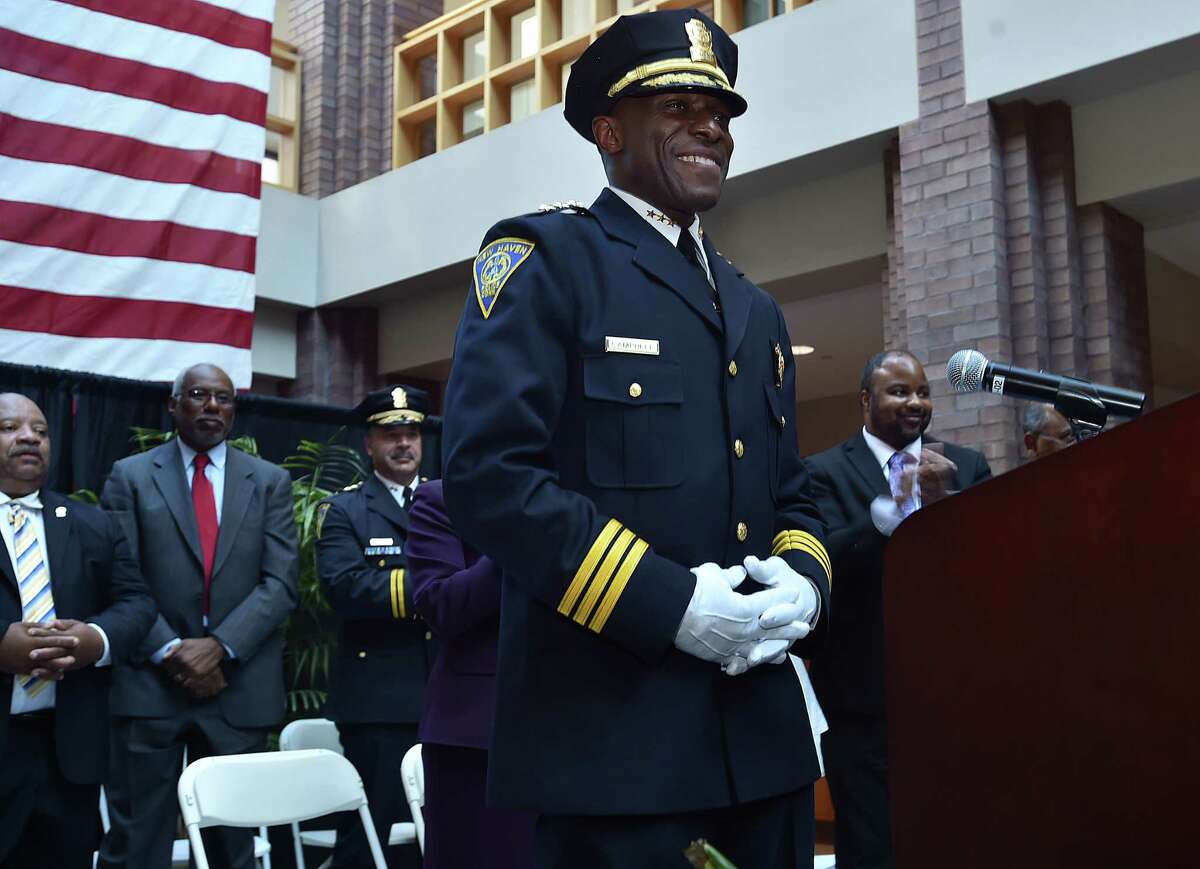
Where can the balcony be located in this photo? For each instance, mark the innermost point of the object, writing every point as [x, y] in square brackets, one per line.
[493, 62]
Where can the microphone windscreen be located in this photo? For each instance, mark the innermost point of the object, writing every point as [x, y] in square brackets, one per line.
[965, 370]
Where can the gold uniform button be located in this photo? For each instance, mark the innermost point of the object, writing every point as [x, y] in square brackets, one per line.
[742, 532]
[732, 368]
[739, 448]
[783, 422]
[362, 654]
[428, 635]
[635, 390]
[382, 563]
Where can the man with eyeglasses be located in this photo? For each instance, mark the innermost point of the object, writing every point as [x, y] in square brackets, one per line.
[214, 532]
[1046, 431]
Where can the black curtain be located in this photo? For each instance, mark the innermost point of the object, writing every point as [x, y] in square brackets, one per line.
[91, 420]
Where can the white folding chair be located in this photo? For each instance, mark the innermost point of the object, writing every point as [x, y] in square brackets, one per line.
[412, 771]
[306, 733]
[825, 861]
[270, 788]
[180, 850]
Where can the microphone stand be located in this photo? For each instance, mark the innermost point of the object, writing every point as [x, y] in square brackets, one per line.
[1079, 402]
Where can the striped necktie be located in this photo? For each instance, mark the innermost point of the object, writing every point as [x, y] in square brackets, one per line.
[37, 601]
[896, 465]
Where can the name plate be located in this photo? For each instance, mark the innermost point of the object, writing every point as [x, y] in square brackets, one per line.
[642, 346]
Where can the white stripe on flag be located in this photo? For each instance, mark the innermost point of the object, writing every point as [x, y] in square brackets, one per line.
[96, 192]
[54, 103]
[264, 9]
[83, 274]
[133, 40]
[124, 357]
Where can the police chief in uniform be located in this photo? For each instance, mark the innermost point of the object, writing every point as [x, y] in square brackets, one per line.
[383, 652]
[620, 438]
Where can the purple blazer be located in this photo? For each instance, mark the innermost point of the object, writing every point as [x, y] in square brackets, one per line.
[457, 591]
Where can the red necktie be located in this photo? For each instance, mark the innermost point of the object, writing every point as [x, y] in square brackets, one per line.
[205, 506]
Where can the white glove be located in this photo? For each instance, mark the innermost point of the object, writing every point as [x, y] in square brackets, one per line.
[775, 573]
[719, 622]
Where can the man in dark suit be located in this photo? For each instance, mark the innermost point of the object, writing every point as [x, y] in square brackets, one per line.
[214, 531]
[383, 651]
[457, 591]
[865, 488]
[620, 437]
[72, 602]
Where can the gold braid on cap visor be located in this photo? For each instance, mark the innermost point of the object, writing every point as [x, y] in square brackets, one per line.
[700, 74]
[388, 417]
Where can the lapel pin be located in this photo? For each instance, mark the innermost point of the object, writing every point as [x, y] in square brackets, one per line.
[60, 512]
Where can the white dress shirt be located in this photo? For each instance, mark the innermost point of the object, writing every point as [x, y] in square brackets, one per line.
[884, 512]
[32, 506]
[214, 472]
[398, 491]
[669, 229]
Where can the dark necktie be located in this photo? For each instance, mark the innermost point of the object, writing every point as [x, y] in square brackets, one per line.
[687, 247]
[406, 497]
[691, 253]
[205, 506]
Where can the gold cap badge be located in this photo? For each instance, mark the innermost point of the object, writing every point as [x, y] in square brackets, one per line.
[399, 398]
[701, 40]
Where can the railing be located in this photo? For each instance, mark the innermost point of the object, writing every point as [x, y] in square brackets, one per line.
[281, 158]
[491, 62]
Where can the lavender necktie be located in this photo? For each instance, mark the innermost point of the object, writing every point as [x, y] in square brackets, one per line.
[896, 465]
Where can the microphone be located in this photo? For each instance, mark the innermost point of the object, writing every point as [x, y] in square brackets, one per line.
[971, 371]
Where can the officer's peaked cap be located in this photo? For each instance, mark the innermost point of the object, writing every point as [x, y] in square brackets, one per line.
[654, 52]
[394, 405]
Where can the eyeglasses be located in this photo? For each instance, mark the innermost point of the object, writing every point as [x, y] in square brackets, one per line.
[201, 396]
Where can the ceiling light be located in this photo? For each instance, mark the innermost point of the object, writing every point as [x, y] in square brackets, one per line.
[802, 349]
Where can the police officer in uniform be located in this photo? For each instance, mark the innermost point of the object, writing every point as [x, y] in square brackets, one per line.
[620, 438]
[384, 652]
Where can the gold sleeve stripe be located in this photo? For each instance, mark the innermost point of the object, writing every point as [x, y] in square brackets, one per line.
[805, 542]
[600, 580]
[618, 585]
[392, 586]
[400, 594]
[587, 566]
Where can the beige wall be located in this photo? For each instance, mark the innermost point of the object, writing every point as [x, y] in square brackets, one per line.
[1138, 140]
[1174, 302]
[451, 5]
[825, 422]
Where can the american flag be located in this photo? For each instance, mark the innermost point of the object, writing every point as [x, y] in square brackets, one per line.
[131, 135]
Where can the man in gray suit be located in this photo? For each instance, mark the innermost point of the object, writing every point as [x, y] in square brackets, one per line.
[214, 531]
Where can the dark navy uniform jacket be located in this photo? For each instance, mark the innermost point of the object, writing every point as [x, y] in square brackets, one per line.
[596, 478]
[383, 652]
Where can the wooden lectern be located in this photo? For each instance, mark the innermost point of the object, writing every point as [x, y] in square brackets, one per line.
[1043, 660]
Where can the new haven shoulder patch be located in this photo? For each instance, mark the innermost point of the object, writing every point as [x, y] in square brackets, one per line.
[495, 265]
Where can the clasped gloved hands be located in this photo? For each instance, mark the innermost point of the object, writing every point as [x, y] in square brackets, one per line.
[725, 627]
[776, 574]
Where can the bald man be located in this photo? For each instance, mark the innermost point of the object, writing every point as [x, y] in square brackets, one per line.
[71, 604]
[213, 530]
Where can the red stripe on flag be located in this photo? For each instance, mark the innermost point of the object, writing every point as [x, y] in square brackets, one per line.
[85, 232]
[25, 310]
[189, 16]
[131, 158]
[53, 61]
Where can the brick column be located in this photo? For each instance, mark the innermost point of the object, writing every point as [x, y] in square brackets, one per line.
[336, 355]
[989, 249]
[1116, 320]
[346, 98]
[953, 236]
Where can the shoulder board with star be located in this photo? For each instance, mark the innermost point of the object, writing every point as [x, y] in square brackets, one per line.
[572, 205]
[352, 487]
